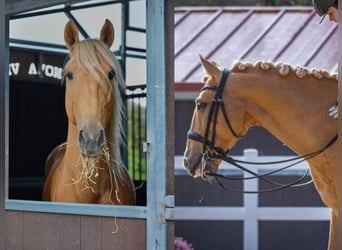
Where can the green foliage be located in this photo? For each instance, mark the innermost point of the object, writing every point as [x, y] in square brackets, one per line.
[136, 135]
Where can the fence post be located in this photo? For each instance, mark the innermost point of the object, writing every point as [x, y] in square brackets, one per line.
[250, 201]
[159, 126]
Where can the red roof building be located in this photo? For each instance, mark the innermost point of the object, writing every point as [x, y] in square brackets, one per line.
[290, 35]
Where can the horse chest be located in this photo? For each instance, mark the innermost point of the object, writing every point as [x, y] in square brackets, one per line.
[325, 183]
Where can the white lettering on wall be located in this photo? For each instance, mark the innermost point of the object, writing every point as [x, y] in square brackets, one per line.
[45, 70]
[52, 71]
[14, 68]
[32, 69]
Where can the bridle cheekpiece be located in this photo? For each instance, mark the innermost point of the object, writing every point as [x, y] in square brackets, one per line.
[210, 151]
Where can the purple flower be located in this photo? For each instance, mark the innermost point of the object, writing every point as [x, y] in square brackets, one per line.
[181, 244]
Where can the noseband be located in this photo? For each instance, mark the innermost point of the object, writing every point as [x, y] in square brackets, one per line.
[209, 150]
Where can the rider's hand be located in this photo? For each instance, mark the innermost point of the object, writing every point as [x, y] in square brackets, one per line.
[333, 111]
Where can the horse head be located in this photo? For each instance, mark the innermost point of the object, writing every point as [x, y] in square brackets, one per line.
[215, 126]
[91, 76]
[90, 160]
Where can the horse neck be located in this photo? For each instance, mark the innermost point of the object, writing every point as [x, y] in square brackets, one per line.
[294, 110]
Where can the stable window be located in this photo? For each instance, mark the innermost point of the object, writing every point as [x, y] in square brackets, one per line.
[37, 120]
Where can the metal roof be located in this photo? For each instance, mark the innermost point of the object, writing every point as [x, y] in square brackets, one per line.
[291, 35]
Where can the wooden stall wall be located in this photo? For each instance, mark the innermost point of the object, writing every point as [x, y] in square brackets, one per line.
[30, 230]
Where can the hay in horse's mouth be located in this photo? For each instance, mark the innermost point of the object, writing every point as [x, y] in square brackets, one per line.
[87, 154]
[90, 170]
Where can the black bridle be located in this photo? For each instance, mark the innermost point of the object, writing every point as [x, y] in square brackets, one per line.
[209, 148]
[210, 152]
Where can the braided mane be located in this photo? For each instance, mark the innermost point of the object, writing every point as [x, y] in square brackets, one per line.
[283, 69]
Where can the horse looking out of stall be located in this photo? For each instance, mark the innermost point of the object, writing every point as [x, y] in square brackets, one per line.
[88, 167]
[290, 102]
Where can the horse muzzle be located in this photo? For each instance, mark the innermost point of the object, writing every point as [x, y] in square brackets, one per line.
[200, 166]
[191, 170]
[91, 142]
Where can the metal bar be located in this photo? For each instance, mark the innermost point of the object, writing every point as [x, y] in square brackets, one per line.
[139, 140]
[93, 5]
[4, 55]
[135, 29]
[78, 25]
[37, 13]
[19, 6]
[169, 200]
[38, 44]
[132, 96]
[135, 56]
[158, 150]
[77, 208]
[143, 128]
[133, 137]
[27, 5]
[136, 49]
[124, 25]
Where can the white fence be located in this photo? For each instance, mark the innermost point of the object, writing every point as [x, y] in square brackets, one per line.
[251, 213]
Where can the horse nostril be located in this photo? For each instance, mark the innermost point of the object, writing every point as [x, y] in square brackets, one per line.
[81, 138]
[101, 139]
[91, 141]
[185, 163]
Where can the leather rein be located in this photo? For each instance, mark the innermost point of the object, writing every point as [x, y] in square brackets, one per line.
[210, 152]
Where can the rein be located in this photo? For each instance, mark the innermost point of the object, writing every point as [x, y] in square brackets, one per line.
[210, 152]
[278, 186]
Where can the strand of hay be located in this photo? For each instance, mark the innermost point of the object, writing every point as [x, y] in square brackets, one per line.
[90, 172]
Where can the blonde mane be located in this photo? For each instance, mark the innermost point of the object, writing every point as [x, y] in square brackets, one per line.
[283, 69]
[89, 53]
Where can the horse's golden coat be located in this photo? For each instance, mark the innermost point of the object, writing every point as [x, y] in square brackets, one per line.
[290, 102]
[87, 168]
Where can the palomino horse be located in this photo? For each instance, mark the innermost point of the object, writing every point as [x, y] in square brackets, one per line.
[87, 168]
[291, 103]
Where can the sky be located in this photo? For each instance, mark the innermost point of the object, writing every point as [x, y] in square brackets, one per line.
[50, 29]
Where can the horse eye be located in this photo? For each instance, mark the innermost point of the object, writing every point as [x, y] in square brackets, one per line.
[69, 75]
[201, 106]
[111, 75]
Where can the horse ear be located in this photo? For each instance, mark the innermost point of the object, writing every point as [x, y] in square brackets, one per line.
[71, 36]
[210, 68]
[107, 33]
